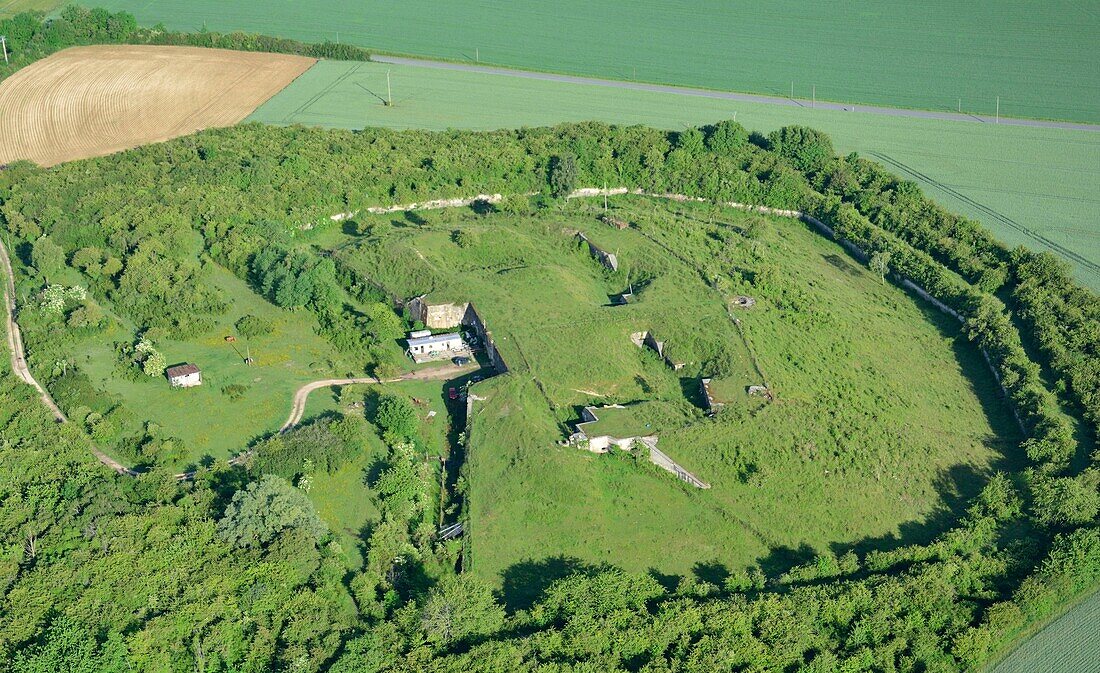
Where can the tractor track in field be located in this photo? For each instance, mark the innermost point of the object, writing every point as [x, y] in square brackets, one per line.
[734, 96]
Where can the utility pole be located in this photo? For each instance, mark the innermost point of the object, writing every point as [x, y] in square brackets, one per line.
[960, 106]
[389, 92]
[477, 54]
[605, 198]
[4, 44]
[792, 90]
[998, 109]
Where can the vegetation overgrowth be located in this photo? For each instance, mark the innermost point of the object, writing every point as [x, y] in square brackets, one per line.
[989, 172]
[825, 331]
[109, 572]
[861, 53]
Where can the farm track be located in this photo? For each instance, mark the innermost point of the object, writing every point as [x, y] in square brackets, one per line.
[19, 361]
[431, 374]
[19, 366]
[733, 96]
[91, 101]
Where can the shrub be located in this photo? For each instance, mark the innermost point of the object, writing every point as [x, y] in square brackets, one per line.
[260, 512]
[251, 326]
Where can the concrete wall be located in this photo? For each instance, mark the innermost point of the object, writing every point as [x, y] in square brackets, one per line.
[661, 460]
[437, 316]
[609, 260]
[472, 320]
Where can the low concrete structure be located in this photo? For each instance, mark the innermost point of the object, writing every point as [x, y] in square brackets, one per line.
[437, 315]
[602, 443]
[647, 340]
[436, 346]
[713, 405]
[608, 259]
[184, 376]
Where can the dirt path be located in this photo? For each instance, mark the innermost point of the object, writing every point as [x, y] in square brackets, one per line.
[730, 95]
[298, 407]
[19, 360]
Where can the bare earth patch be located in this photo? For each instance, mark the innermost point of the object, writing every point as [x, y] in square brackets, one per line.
[90, 101]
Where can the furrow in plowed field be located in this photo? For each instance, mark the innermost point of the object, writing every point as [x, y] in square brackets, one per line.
[90, 101]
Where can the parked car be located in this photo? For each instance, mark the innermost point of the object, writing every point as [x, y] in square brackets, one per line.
[461, 361]
[452, 393]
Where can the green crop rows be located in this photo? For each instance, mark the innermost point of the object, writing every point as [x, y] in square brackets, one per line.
[1067, 645]
[1026, 184]
[905, 54]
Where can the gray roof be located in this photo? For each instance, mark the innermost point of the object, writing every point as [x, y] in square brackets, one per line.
[434, 339]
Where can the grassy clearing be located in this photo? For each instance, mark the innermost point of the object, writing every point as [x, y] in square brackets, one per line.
[884, 419]
[345, 499]
[1015, 180]
[897, 54]
[209, 421]
[1067, 644]
[540, 292]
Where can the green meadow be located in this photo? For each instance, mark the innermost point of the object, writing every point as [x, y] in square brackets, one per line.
[884, 419]
[210, 421]
[921, 55]
[1030, 186]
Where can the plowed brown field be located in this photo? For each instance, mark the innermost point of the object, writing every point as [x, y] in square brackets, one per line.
[90, 101]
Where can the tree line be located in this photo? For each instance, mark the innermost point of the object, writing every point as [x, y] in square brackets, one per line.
[237, 573]
[32, 36]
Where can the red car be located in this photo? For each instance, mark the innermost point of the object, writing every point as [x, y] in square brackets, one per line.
[452, 393]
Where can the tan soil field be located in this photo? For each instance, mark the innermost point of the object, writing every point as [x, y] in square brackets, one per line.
[90, 101]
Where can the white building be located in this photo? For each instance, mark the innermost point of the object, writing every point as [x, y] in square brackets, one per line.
[420, 347]
[184, 376]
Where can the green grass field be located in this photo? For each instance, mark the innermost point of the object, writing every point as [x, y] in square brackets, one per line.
[208, 421]
[1025, 184]
[925, 55]
[12, 7]
[1066, 645]
[884, 418]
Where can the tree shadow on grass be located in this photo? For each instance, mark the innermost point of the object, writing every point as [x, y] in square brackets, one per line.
[957, 487]
[526, 582]
[712, 572]
[782, 558]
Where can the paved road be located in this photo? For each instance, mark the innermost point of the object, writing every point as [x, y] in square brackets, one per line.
[19, 360]
[729, 95]
[298, 408]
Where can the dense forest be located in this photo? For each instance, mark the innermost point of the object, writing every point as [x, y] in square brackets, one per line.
[235, 571]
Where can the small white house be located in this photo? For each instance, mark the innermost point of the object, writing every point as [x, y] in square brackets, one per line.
[184, 376]
[438, 343]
